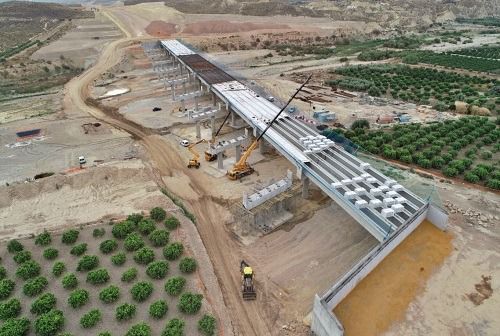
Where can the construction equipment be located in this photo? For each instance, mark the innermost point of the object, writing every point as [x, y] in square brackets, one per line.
[247, 288]
[213, 157]
[194, 162]
[242, 168]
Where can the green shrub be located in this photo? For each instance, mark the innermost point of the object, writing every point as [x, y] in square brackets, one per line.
[78, 298]
[109, 294]
[141, 291]
[187, 265]
[146, 226]
[125, 312]
[14, 246]
[90, 319]
[108, 246]
[98, 232]
[175, 285]
[22, 256]
[58, 268]
[158, 309]
[87, 263]
[190, 303]
[43, 304]
[3, 272]
[104, 333]
[6, 288]
[121, 230]
[141, 329]
[10, 309]
[157, 269]
[69, 237]
[79, 250]
[15, 327]
[43, 239]
[206, 325]
[157, 214]
[135, 218]
[174, 327]
[65, 334]
[173, 251]
[28, 269]
[119, 259]
[129, 275]
[133, 242]
[144, 256]
[98, 277]
[50, 253]
[172, 223]
[69, 281]
[35, 286]
[159, 237]
[50, 323]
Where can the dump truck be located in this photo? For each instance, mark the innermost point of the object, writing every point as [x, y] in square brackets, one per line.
[247, 286]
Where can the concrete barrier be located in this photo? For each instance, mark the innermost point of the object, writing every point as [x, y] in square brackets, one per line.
[324, 322]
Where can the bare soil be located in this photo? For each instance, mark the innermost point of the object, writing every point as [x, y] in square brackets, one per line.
[225, 27]
[160, 28]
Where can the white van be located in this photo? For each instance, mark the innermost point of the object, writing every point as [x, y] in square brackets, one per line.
[184, 143]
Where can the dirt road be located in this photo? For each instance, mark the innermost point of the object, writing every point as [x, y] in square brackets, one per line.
[247, 318]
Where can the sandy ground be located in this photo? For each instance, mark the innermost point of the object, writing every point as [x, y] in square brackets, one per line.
[29, 107]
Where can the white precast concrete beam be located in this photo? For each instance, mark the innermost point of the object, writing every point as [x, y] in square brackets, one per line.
[188, 95]
[202, 115]
[223, 145]
[270, 191]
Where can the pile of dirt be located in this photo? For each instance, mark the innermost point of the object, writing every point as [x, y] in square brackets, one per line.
[483, 291]
[224, 27]
[161, 28]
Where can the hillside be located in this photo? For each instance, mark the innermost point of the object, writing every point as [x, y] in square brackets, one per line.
[21, 21]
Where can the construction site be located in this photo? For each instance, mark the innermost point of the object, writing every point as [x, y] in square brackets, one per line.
[295, 233]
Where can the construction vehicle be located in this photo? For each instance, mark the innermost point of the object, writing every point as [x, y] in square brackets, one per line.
[194, 162]
[212, 157]
[242, 167]
[247, 287]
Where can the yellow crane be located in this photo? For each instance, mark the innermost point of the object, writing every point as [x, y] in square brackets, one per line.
[242, 167]
[194, 162]
[213, 157]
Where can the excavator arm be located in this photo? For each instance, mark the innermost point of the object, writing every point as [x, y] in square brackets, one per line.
[194, 162]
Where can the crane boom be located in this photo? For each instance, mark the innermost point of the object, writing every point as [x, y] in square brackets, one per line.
[242, 168]
[194, 161]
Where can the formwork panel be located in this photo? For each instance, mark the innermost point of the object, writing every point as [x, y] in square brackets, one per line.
[206, 70]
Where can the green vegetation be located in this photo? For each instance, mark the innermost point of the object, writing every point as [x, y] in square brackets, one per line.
[376, 55]
[157, 269]
[173, 251]
[125, 312]
[78, 250]
[158, 309]
[3, 272]
[449, 146]
[450, 60]
[487, 51]
[485, 21]
[108, 246]
[121, 230]
[15, 327]
[141, 291]
[98, 277]
[10, 309]
[187, 265]
[43, 304]
[175, 285]
[146, 226]
[50, 253]
[43, 239]
[69, 281]
[129, 275]
[206, 325]
[174, 327]
[6, 288]
[141, 329]
[49, 324]
[419, 85]
[15, 50]
[87, 263]
[172, 223]
[28, 269]
[190, 303]
[144, 256]
[98, 232]
[135, 218]
[119, 259]
[69, 237]
[90, 319]
[133, 242]
[109, 294]
[14, 246]
[35, 286]
[158, 214]
[78, 298]
[179, 203]
[159, 238]
[58, 268]
[22, 256]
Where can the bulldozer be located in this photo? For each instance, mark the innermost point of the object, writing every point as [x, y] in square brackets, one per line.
[247, 287]
[242, 167]
[194, 162]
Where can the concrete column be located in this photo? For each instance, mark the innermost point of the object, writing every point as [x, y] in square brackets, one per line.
[172, 86]
[212, 122]
[233, 119]
[305, 187]
[262, 146]
[184, 87]
[198, 131]
[196, 103]
[238, 153]
[183, 105]
[220, 160]
[214, 99]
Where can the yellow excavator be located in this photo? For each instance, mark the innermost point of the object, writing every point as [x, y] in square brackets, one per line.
[247, 287]
[242, 167]
[194, 162]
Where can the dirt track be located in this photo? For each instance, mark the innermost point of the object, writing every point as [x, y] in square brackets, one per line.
[247, 319]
